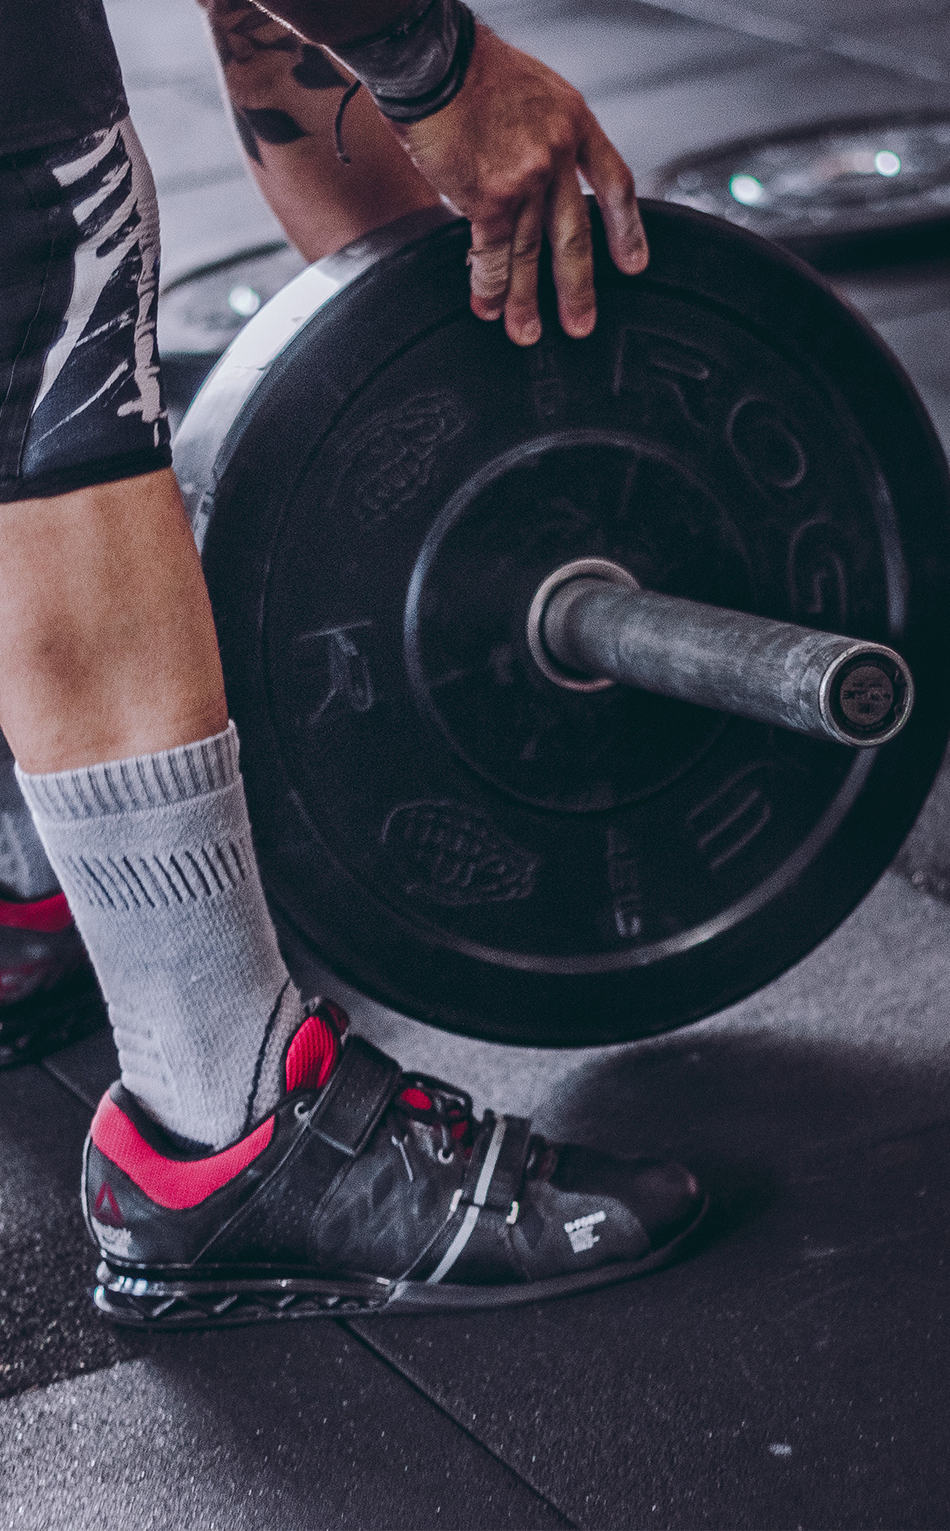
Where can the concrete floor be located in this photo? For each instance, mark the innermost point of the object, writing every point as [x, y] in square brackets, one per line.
[792, 1373]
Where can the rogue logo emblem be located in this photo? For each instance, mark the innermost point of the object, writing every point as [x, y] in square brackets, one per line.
[581, 1231]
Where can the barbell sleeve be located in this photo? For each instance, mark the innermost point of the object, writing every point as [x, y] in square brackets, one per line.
[821, 684]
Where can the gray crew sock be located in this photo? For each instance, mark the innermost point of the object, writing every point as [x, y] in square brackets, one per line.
[156, 858]
[24, 867]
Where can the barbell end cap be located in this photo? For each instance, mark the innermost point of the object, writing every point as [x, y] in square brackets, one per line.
[867, 696]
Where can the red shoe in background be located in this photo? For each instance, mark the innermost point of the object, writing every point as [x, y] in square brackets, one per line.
[48, 990]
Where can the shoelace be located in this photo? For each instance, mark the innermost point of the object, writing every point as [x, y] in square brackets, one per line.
[449, 1112]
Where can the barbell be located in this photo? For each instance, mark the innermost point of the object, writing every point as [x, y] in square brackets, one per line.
[583, 688]
[592, 625]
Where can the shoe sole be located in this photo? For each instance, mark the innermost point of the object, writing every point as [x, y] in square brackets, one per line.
[139, 1302]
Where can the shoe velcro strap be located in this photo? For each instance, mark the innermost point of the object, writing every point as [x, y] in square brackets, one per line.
[355, 1097]
[496, 1172]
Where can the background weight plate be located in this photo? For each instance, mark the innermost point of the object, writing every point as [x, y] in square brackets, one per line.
[437, 822]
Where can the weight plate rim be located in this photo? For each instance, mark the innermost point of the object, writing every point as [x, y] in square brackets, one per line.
[210, 432]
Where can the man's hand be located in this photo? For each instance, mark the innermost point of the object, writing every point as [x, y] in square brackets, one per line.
[506, 152]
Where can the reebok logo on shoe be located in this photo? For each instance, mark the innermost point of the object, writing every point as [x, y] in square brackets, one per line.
[581, 1231]
[109, 1223]
[106, 1210]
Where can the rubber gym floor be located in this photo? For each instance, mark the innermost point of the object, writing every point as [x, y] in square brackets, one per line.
[792, 1373]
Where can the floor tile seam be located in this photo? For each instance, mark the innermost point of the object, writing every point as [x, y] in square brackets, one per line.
[916, 1130]
[66, 1084]
[464, 1429]
[788, 1167]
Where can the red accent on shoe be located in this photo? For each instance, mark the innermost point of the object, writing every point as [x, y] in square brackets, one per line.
[417, 1099]
[106, 1209]
[45, 914]
[312, 1054]
[172, 1183]
[336, 1014]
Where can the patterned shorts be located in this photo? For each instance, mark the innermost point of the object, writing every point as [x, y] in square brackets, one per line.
[80, 390]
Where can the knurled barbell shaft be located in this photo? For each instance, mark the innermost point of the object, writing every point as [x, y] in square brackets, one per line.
[822, 684]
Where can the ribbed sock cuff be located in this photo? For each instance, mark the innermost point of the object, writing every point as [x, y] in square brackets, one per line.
[156, 859]
[142, 782]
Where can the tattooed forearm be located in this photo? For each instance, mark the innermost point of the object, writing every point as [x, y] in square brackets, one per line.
[267, 123]
[285, 94]
[241, 32]
[255, 52]
[314, 70]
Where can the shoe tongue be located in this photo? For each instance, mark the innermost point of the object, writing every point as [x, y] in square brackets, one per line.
[315, 1048]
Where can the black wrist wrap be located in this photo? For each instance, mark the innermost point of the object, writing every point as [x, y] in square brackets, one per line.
[419, 66]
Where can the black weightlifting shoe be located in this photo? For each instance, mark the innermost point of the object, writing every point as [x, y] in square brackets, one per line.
[48, 991]
[368, 1190]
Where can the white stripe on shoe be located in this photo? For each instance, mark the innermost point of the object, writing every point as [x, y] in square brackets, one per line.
[491, 1159]
[478, 1201]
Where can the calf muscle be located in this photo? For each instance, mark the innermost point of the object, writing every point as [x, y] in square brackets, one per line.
[105, 625]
